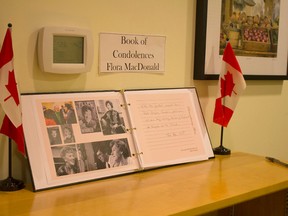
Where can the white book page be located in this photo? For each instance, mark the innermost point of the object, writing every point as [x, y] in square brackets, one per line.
[88, 143]
[168, 126]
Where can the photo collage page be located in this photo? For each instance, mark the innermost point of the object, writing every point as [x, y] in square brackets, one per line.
[86, 135]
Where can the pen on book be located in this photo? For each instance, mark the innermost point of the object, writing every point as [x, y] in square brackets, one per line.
[274, 160]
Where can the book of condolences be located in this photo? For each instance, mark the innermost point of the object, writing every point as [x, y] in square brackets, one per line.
[84, 136]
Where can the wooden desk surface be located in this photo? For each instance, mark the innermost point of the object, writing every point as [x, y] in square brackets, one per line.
[188, 189]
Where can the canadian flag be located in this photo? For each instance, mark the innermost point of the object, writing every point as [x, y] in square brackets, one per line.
[231, 85]
[9, 96]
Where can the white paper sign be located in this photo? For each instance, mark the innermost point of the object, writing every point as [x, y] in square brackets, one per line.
[131, 53]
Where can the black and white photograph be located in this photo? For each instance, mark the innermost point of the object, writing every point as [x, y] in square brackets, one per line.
[112, 153]
[87, 116]
[65, 160]
[111, 119]
[86, 157]
[102, 152]
[54, 135]
[68, 134]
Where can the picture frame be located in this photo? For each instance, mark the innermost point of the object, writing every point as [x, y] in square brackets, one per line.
[265, 60]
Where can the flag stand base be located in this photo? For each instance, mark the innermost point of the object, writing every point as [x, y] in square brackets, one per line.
[220, 150]
[11, 184]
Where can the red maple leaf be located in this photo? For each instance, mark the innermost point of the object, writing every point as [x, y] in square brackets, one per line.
[12, 87]
[227, 85]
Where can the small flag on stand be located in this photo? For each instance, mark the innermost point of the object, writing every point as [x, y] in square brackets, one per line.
[9, 95]
[231, 85]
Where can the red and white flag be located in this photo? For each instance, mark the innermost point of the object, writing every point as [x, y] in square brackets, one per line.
[9, 95]
[231, 85]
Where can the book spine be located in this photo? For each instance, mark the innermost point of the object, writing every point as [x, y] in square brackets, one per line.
[132, 130]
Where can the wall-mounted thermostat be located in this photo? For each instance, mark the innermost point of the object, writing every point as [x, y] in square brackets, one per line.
[65, 50]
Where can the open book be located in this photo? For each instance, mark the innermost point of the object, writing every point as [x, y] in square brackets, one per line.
[83, 136]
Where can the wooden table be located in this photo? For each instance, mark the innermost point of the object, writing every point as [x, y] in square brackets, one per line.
[188, 189]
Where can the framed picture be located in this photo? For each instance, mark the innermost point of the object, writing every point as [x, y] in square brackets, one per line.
[257, 31]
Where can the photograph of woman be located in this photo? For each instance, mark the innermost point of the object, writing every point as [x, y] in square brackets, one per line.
[111, 121]
[68, 134]
[54, 135]
[69, 161]
[88, 118]
[120, 153]
[69, 113]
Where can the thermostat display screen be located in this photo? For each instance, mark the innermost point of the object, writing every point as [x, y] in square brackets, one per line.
[68, 49]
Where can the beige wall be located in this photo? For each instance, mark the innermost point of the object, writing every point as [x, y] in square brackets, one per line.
[259, 125]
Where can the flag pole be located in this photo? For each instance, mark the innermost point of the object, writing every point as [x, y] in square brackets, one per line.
[221, 150]
[229, 78]
[10, 184]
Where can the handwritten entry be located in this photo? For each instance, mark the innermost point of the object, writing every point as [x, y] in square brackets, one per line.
[167, 126]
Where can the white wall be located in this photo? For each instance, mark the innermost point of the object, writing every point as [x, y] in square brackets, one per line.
[258, 126]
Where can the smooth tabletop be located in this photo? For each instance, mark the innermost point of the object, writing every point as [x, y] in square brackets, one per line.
[187, 189]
